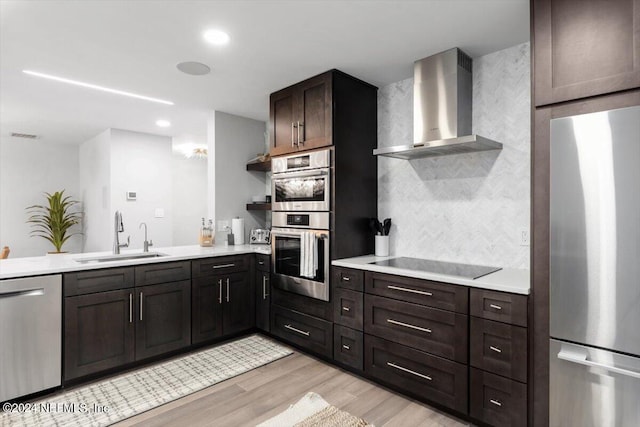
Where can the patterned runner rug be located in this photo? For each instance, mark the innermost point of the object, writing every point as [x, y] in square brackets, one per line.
[126, 395]
[313, 411]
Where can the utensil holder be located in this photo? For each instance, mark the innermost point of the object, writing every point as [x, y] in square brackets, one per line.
[382, 246]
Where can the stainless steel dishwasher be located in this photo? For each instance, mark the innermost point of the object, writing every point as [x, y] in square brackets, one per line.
[30, 335]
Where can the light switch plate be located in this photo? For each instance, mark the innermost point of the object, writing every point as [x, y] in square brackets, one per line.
[159, 213]
[223, 225]
[523, 236]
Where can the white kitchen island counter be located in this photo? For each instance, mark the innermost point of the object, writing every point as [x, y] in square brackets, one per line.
[63, 263]
[512, 280]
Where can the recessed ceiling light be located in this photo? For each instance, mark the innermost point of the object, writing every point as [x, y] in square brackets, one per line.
[217, 37]
[163, 123]
[193, 68]
[96, 87]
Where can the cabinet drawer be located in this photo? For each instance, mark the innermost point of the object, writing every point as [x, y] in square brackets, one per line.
[310, 333]
[418, 373]
[347, 278]
[499, 306]
[348, 347]
[152, 274]
[348, 308]
[496, 400]
[499, 348]
[303, 304]
[219, 265]
[435, 331]
[434, 294]
[92, 281]
[263, 262]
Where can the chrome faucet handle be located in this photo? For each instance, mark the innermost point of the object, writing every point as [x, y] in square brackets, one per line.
[125, 245]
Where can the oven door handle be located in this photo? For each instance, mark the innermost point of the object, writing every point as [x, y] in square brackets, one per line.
[299, 174]
[294, 234]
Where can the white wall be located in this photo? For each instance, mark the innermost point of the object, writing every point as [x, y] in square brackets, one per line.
[27, 169]
[236, 141]
[189, 198]
[468, 207]
[142, 163]
[95, 192]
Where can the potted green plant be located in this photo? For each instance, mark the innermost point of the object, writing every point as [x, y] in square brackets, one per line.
[53, 222]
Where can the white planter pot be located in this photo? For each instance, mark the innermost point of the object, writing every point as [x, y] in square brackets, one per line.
[382, 246]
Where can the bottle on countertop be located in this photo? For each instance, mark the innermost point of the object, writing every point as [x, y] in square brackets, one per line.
[206, 238]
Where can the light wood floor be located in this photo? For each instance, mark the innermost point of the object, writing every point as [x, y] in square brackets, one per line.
[262, 393]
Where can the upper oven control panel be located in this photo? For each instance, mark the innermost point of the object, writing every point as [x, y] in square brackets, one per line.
[300, 162]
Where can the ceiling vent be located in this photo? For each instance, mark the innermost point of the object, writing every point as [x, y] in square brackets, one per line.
[23, 135]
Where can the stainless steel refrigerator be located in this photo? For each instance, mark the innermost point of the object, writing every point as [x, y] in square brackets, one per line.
[595, 269]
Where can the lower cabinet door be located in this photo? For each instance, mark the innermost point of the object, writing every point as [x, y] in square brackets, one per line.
[238, 305]
[348, 347]
[98, 332]
[310, 333]
[163, 318]
[206, 308]
[263, 299]
[497, 400]
[417, 373]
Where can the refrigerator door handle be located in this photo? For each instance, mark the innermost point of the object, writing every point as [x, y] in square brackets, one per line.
[581, 358]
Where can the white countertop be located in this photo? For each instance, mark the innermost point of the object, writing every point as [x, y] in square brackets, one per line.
[53, 264]
[506, 280]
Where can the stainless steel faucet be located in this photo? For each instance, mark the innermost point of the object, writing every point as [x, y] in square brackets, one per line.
[147, 243]
[118, 227]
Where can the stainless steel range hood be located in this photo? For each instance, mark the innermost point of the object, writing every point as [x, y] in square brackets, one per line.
[442, 99]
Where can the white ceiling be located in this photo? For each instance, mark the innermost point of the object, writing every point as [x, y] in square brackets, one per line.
[135, 45]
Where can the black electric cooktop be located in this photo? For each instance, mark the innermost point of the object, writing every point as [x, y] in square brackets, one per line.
[468, 271]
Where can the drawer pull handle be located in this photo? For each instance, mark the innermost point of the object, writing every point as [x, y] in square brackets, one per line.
[413, 291]
[495, 307]
[223, 266]
[220, 294]
[346, 347]
[291, 328]
[496, 349]
[407, 325]
[346, 309]
[260, 262]
[495, 402]
[346, 279]
[417, 374]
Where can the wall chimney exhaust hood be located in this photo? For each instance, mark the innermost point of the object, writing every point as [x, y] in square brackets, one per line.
[442, 99]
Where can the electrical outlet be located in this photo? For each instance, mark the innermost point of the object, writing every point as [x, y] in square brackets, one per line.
[523, 236]
[223, 225]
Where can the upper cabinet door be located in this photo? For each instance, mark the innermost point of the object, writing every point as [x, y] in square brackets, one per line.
[314, 112]
[584, 48]
[281, 122]
[300, 116]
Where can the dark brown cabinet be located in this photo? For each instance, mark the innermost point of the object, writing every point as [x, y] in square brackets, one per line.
[497, 400]
[99, 332]
[263, 299]
[223, 297]
[584, 48]
[300, 116]
[163, 318]
[306, 331]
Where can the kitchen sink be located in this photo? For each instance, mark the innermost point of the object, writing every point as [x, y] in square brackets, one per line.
[120, 257]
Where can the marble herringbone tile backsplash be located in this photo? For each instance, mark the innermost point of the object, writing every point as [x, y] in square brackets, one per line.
[467, 207]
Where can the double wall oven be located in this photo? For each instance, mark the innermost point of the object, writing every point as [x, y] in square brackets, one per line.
[300, 235]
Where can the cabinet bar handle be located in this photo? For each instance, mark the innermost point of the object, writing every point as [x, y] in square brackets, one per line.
[346, 347]
[220, 294]
[495, 402]
[141, 297]
[417, 374]
[293, 140]
[346, 309]
[260, 262]
[413, 291]
[346, 279]
[496, 349]
[264, 287]
[495, 307]
[227, 289]
[130, 307]
[407, 325]
[300, 141]
[291, 328]
[223, 266]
